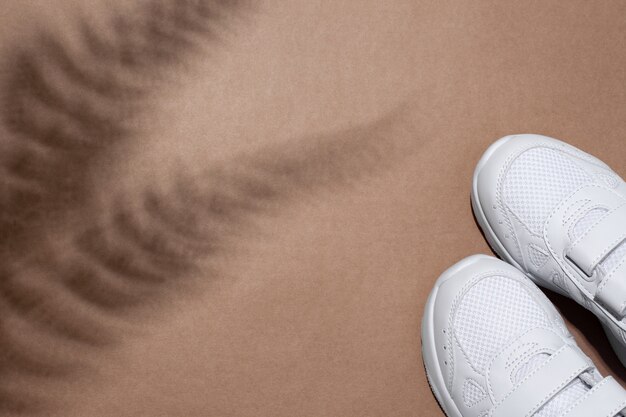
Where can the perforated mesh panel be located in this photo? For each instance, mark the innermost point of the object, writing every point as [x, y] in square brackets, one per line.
[563, 400]
[587, 221]
[537, 256]
[492, 312]
[473, 393]
[537, 181]
[529, 366]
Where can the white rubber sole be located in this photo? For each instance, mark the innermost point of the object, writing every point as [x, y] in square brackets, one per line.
[435, 377]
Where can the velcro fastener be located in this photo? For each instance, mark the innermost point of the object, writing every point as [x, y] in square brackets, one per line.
[601, 239]
[606, 399]
[541, 385]
[611, 292]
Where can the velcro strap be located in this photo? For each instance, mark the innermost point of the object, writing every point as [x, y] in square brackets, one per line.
[611, 292]
[596, 243]
[605, 399]
[541, 385]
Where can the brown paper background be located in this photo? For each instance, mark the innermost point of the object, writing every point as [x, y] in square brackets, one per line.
[322, 315]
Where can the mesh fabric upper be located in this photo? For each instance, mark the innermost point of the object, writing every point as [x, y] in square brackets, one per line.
[472, 392]
[587, 221]
[537, 256]
[537, 181]
[492, 314]
[496, 310]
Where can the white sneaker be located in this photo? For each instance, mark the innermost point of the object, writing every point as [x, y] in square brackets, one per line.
[559, 215]
[494, 346]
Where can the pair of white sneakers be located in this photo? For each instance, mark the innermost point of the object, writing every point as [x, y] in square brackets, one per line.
[493, 344]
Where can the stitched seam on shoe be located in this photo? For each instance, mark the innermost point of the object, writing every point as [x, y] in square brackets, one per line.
[610, 247]
[584, 397]
[569, 271]
[511, 361]
[531, 374]
[527, 357]
[471, 404]
[572, 274]
[500, 198]
[609, 277]
[585, 203]
[552, 393]
[505, 169]
[455, 304]
[489, 387]
[596, 223]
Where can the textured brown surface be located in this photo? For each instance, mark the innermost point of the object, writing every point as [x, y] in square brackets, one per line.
[317, 312]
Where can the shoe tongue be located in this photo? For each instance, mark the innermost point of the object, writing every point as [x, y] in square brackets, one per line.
[565, 398]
